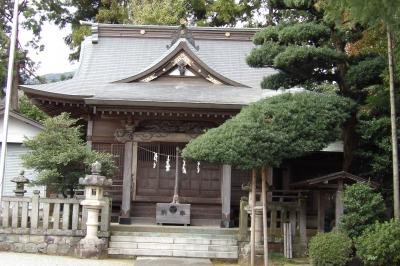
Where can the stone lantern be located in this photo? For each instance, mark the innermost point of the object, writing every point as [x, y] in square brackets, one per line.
[20, 182]
[91, 245]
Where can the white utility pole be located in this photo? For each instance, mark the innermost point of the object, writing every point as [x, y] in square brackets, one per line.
[11, 57]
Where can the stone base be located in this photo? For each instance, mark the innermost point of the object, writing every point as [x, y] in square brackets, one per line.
[91, 248]
[226, 224]
[124, 220]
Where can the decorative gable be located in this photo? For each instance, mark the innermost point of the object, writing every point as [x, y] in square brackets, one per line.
[181, 62]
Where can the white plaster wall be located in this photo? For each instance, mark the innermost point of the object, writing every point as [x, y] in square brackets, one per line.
[17, 130]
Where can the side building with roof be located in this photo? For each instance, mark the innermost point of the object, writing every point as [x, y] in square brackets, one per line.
[19, 128]
[145, 91]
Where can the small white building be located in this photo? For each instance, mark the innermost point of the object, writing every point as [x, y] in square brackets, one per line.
[19, 127]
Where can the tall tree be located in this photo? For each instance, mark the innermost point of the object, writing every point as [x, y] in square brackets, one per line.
[384, 12]
[311, 52]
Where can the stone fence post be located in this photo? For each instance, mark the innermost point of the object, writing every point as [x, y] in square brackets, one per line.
[91, 245]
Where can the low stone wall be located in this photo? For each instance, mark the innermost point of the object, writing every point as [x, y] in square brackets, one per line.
[52, 242]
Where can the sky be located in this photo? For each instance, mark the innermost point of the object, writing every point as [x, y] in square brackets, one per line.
[54, 57]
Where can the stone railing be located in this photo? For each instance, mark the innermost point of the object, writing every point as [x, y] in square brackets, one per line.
[46, 225]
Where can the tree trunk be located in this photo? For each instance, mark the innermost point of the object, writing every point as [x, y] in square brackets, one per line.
[253, 219]
[349, 141]
[264, 191]
[270, 14]
[394, 124]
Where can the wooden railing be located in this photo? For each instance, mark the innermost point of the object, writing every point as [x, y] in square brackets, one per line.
[59, 215]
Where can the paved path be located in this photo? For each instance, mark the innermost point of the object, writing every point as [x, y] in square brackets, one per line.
[160, 261]
[24, 259]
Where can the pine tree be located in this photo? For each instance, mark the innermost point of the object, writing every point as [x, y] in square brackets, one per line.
[309, 51]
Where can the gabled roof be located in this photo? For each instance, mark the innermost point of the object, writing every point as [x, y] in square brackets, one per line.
[115, 57]
[180, 51]
[22, 118]
[333, 177]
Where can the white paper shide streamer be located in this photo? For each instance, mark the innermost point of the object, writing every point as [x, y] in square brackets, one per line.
[198, 167]
[184, 167]
[167, 165]
[155, 159]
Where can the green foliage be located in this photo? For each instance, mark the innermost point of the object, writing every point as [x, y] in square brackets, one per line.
[304, 34]
[333, 248]
[366, 72]
[30, 110]
[166, 12]
[375, 12]
[379, 245]
[362, 207]
[312, 61]
[60, 156]
[278, 81]
[273, 129]
[264, 56]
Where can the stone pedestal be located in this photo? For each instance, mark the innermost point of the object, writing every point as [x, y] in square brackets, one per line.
[91, 246]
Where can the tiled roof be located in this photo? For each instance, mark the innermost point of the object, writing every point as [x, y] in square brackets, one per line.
[116, 58]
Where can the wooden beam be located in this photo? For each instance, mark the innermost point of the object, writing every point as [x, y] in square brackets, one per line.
[226, 196]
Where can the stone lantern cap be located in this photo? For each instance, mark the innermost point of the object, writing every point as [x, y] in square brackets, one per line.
[20, 178]
[95, 179]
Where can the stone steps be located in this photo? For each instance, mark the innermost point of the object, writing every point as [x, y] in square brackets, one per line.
[174, 244]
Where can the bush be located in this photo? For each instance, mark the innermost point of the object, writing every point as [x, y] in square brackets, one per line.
[362, 207]
[380, 244]
[332, 248]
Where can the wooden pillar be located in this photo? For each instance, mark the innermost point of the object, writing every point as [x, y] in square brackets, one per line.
[126, 184]
[264, 191]
[226, 196]
[321, 211]
[89, 133]
[253, 218]
[135, 149]
[303, 221]
[339, 203]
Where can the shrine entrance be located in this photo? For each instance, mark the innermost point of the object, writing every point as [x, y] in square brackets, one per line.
[199, 184]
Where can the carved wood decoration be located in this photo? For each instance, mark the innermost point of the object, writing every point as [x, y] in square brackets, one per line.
[183, 32]
[149, 129]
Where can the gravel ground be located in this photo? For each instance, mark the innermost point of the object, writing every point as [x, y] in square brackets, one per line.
[24, 259]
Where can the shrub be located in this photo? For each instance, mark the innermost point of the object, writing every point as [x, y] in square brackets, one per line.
[332, 248]
[380, 244]
[362, 207]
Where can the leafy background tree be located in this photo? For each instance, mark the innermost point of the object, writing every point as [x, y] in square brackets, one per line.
[61, 157]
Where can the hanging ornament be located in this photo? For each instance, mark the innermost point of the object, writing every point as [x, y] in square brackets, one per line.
[167, 165]
[184, 167]
[198, 167]
[155, 159]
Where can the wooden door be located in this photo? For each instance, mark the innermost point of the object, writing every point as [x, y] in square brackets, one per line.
[156, 184]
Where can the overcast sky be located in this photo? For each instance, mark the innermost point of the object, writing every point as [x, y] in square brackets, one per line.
[54, 58]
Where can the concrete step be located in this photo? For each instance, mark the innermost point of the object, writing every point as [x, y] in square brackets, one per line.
[174, 253]
[176, 235]
[173, 240]
[174, 229]
[166, 246]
